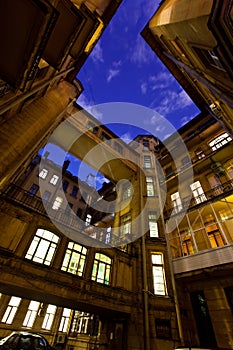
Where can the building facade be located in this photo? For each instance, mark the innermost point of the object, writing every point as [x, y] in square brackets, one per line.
[194, 41]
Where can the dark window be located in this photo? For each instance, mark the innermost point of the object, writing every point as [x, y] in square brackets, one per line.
[74, 191]
[79, 212]
[65, 185]
[163, 328]
[92, 127]
[209, 58]
[105, 137]
[46, 195]
[169, 171]
[33, 190]
[145, 144]
[118, 147]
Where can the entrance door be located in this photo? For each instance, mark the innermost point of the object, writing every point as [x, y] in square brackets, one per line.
[202, 318]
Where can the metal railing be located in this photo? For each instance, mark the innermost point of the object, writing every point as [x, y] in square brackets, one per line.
[211, 195]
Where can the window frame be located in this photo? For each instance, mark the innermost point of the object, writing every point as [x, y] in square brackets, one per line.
[102, 261]
[72, 254]
[158, 273]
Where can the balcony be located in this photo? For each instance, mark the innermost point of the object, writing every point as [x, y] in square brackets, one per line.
[213, 194]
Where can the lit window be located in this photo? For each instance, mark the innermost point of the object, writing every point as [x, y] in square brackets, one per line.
[57, 203]
[33, 190]
[127, 192]
[101, 268]
[92, 127]
[43, 247]
[64, 320]
[88, 220]
[153, 225]
[158, 274]
[176, 201]
[220, 141]
[147, 162]
[108, 235]
[54, 179]
[198, 192]
[199, 153]
[126, 224]
[85, 323]
[31, 313]
[74, 259]
[43, 173]
[11, 310]
[49, 316]
[150, 186]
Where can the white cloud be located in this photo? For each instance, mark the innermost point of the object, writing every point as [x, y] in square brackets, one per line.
[161, 80]
[173, 101]
[127, 137]
[97, 53]
[143, 88]
[90, 106]
[141, 53]
[112, 73]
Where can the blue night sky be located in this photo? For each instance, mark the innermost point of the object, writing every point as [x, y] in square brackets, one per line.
[123, 68]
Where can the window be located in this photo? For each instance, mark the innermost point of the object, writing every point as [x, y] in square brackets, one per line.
[31, 314]
[74, 259]
[127, 192]
[92, 127]
[79, 212]
[147, 162]
[49, 316]
[54, 179]
[64, 320]
[101, 268]
[220, 141]
[163, 329]
[65, 185]
[150, 186]
[176, 202]
[74, 191]
[198, 192]
[33, 190]
[153, 225]
[85, 323]
[209, 58]
[11, 310]
[42, 247]
[126, 224]
[108, 235]
[199, 153]
[105, 137]
[43, 173]
[46, 195]
[88, 219]
[215, 236]
[145, 143]
[158, 274]
[57, 203]
[118, 147]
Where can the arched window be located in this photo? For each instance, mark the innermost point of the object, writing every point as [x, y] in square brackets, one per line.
[42, 247]
[101, 268]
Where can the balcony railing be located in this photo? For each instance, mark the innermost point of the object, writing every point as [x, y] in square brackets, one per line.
[67, 218]
[211, 195]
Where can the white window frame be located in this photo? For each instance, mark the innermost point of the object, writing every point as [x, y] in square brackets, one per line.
[198, 192]
[43, 173]
[150, 186]
[43, 247]
[64, 323]
[57, 203]
[74, 259]
[54, 179]
[11, 309]
[101, 271]
[158, 273]
[220, 141]
[176, 202]
[125, 224]
[49, 316]
[153, 225]
[31, 313]
[147, 162]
